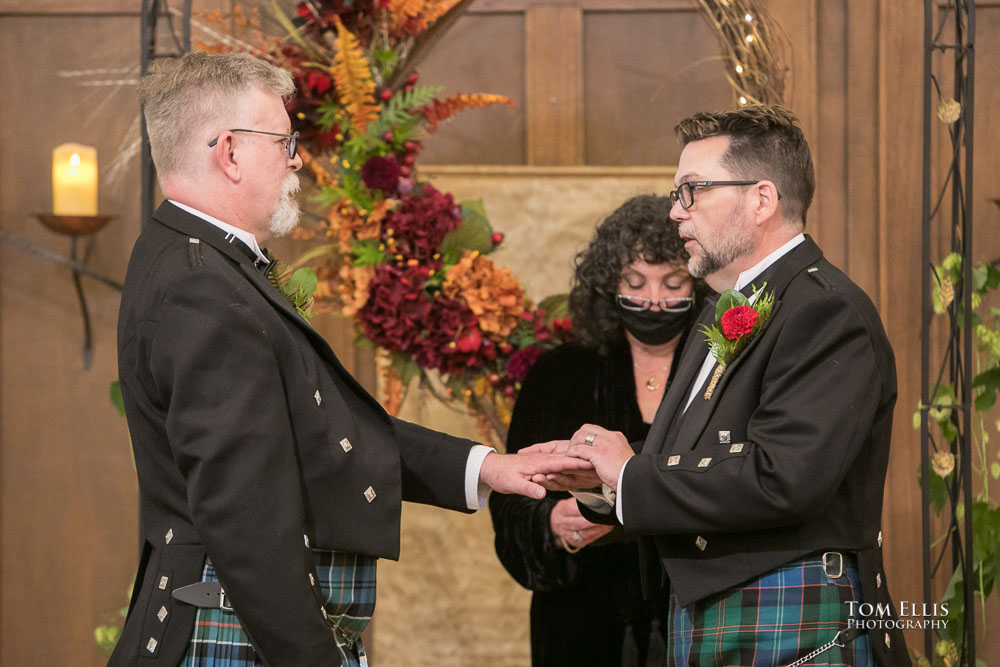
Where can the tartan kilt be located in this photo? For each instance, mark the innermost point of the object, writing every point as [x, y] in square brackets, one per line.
[772, 620]
[347, 583]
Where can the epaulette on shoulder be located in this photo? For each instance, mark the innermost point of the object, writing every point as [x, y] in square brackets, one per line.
[194, 252]
[818, 276]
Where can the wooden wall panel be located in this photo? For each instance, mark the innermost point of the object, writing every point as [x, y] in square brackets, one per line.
[67, 485]
[865, 229]
[554, 84]
[830, 203]
[481, 53]
[900, 30]
[637, 89]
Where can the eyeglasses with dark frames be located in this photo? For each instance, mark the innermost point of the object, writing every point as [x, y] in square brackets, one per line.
[685, 191]
[291, 140]
[670, 304]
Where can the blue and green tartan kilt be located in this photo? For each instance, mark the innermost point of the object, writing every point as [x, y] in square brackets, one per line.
[773, 620]
[347, 582]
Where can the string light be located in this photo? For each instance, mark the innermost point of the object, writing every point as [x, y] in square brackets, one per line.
[747, 33]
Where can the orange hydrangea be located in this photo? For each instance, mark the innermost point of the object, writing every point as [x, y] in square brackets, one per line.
[492, 293]
[348, 223]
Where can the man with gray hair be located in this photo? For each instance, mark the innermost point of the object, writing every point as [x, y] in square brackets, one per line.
[270, 482]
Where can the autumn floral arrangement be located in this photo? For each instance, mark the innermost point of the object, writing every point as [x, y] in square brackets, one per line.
[404, 260]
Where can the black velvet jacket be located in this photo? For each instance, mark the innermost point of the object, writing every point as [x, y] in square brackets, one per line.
[587, 608]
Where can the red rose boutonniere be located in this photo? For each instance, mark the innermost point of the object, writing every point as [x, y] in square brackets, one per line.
[737, 321]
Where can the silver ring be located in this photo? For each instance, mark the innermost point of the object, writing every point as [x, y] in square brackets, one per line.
[590, 438]
[575, 537]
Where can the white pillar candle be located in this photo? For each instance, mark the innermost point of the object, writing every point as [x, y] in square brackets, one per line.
[74, 180]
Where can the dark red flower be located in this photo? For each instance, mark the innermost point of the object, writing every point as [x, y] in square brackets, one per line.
[397, 311]
[738, 321]
[381, 173]
[438, 347]
[522, 361]
[562, 325]
[416, 227]
[470, 340]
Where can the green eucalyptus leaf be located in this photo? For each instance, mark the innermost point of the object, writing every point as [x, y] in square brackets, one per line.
[948, 430]
[475, 232]
[116, 397]
[555, 306]
[406, 368]
[993, 276]
[303, 281]
[937, 490]
[980, 274]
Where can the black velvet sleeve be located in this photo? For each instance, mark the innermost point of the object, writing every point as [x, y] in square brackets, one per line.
[548, 407]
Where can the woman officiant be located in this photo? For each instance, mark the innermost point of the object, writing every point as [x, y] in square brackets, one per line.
[632, 304]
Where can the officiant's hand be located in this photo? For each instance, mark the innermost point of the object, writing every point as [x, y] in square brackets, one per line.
[518, 473]
[569, 527]
[607, 450]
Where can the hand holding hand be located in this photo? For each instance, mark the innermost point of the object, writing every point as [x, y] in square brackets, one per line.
[606, 450]
[568, 524]
[515, 473]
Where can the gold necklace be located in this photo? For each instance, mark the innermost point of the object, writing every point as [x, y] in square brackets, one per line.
[653, 381]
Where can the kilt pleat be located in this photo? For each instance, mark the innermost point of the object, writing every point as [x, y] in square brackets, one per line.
[347, 583]
[770, 621]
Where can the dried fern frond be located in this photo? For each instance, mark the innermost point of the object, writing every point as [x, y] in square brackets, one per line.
[351, 74]
[440, 110]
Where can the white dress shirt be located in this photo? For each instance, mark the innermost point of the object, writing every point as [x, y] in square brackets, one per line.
[476, 493]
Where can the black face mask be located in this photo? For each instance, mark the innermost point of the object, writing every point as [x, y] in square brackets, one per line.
[655, 327]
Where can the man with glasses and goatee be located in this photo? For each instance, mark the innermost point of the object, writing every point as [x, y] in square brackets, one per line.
[270, 482]
[758, 490]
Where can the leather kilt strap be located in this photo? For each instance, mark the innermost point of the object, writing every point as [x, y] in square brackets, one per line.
[346, 583]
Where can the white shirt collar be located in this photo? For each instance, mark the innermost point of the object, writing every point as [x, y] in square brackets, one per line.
[243, 235]
[744, 278]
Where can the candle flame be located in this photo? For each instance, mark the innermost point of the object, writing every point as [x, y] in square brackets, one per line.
[74, 161]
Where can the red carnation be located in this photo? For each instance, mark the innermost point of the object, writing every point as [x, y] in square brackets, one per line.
[737, 321]
[381, 173]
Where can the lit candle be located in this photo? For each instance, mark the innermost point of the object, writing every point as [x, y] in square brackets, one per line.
[74, 180]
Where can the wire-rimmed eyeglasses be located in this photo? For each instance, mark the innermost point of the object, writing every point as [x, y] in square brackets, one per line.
[670, 304]
[685, 191]
[291, 140]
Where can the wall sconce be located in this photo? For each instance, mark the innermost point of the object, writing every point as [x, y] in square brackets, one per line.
[74, 214]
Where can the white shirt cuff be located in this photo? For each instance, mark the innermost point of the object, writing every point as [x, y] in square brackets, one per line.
[476, 492]
[618, 497]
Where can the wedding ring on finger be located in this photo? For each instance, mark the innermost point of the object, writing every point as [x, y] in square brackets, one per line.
[575, 537]
[590, 438]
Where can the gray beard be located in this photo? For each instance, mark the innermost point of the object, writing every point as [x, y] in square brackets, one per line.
[286, 216]
[729, 250]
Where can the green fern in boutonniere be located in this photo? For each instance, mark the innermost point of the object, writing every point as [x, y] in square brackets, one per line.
[297, 287]
[737, 321]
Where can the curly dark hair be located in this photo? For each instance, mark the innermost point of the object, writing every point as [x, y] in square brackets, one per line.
[640, 228]
[765, 142]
